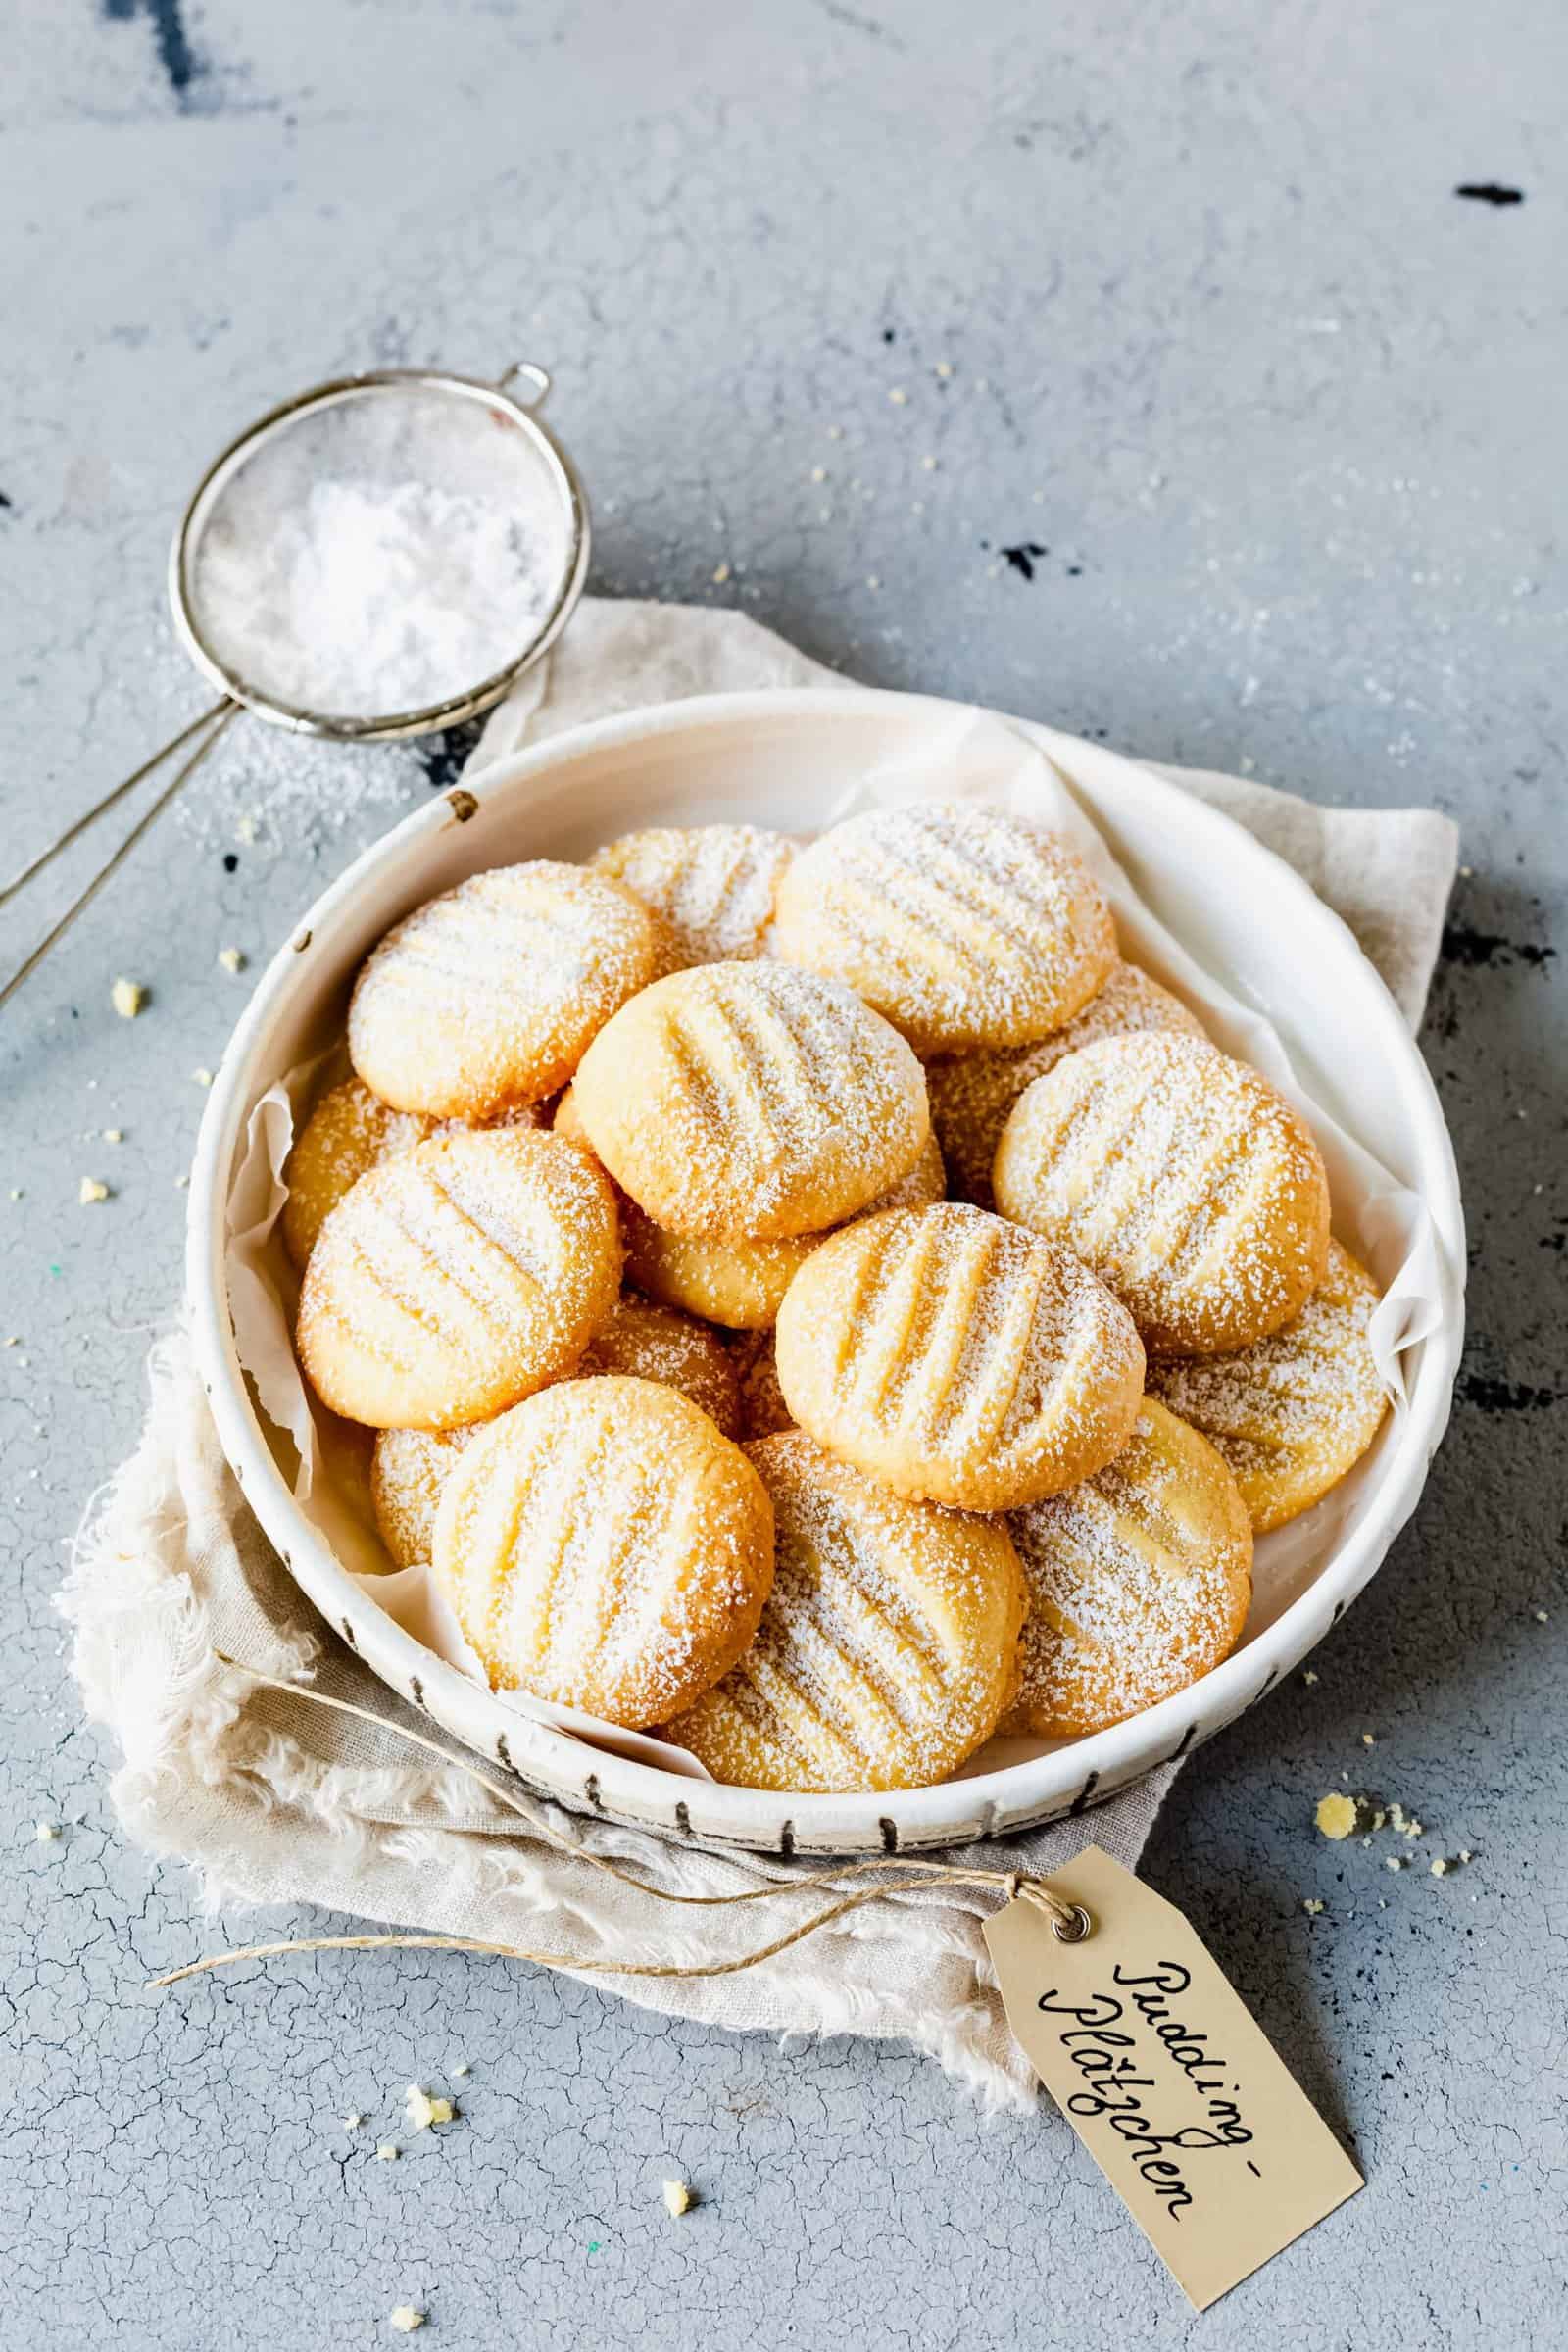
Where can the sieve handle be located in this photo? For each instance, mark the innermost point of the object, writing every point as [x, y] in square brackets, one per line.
[214, 721]
[537, 378]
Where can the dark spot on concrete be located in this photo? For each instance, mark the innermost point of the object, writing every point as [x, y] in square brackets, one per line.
[4, 501]
[1488, 191]
[231, 861]
[1491, 1396]
[445, 758]
[1556, 1241]
[1075, 571]
[1462, 944]
[462, 805]
[1024, 556]
[174, 53]
[889, 334]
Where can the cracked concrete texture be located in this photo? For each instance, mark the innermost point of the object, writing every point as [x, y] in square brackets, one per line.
[1277, 408]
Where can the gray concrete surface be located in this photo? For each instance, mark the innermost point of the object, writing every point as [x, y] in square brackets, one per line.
[1283, 414]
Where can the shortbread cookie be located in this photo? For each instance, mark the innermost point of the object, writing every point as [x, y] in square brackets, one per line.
[747, 1099]
[408, 1477]
[1189, 1185]
[349, 1132]
[1138, 1582]
[741, 1284]
[888, 1646]
[957, 1358]
[971, 1093]
[412, 1465]
[1292, 1413]
[648, 1342]
[964, 927]
[605, 1547]
[488, 995]
[456, 1280]
[715, 885]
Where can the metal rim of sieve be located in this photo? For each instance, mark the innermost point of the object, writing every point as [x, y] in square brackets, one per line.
[432, 718]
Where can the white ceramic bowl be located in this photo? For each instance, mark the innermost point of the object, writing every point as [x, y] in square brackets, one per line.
[785, 759]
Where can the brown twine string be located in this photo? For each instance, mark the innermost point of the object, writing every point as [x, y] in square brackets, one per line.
[1070, 1921]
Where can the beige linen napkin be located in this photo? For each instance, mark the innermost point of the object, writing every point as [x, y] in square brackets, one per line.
[274, 1800]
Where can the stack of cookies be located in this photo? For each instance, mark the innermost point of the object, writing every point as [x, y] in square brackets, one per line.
[629, 1239]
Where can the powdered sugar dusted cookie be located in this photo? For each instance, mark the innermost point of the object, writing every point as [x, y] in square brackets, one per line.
[973, 1094]
[715, 885]
[458, 1279]
[349, 1132]
[888, 1645]
[605, 1547]
[409, 1472]
[1138, 1582]
[1193, 1189]
[1293, 1412]
[964, 927]
[750, 1099]
[957, 1358]
[648, 1342]
[741, 1284]
[488, 995]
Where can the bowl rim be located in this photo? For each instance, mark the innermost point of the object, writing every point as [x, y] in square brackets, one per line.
[1063, 1779]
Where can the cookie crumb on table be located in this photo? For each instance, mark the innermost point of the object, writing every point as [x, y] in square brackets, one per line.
[677, 2198]
[388, 2152]
[128, 997]
[202, 1077]
[232, 959]
[352, 2123]
[91, 1190]
[405, 2317]
[1312, 1905]
[422, 2110]
[1336, 1815]
[47, 1832]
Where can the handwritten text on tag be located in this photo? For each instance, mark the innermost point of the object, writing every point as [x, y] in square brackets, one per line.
[1218, 2154]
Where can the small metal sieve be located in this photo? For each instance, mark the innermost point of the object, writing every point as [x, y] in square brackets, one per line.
[485, 441]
